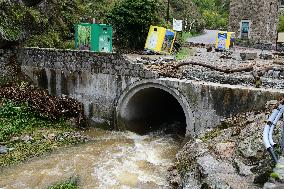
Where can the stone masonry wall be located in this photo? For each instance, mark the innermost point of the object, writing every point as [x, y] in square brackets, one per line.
[73, 60]
[263, 15]
[95, 79]
[6, 70]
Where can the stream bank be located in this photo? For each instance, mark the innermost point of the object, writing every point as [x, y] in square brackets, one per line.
[24, 134]
[229, 156]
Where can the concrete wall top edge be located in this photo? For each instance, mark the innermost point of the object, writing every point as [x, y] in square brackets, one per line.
[186, 81]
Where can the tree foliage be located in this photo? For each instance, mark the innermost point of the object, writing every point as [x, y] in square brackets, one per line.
[281, 23]
[189, 13]
[131, 20]
[215, 13]
[50, 23]
[39, 23]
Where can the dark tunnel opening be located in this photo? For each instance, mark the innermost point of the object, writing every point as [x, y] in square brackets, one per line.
[153, 109]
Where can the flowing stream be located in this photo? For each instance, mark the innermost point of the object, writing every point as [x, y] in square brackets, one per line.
[112, 160]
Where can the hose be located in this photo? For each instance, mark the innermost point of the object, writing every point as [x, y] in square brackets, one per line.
[277, 118]
[268, 131]
[282, 137]
[267, 128]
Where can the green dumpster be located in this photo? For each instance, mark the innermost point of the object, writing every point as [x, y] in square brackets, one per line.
[93, 37]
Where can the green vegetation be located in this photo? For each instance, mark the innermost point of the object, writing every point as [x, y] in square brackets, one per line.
[38, 23]
[132, 19]
[274, 175]
[186, 35]
[281, 23]
[183, 53]
[51, 23]
[216, 131]
[72, 183]
[215, 13]
[188, 12]
[27, 135]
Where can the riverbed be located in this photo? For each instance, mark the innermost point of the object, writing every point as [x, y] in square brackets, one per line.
[111, 160]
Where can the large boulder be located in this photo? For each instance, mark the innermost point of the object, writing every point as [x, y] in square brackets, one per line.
[230, 156]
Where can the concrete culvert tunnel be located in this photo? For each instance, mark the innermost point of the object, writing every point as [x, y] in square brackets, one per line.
[152, 109]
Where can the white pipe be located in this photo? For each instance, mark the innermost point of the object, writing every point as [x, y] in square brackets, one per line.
[277, 118]
[273, 116]
[268, 130]
[265, 136]
[282, 135]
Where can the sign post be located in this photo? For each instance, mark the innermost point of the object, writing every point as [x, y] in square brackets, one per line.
[177, 25]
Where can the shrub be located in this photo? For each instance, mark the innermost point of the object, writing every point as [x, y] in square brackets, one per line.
[131, 20]
[281, 23]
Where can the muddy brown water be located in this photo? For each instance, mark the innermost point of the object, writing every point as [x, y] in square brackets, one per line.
[113, 160]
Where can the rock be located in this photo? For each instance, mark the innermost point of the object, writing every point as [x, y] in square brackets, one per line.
[250, 145]
[266, 56]
[51, 136]
[3, 149]
[220, 174]
[243, 169]
[273, 186]
[209, 49]
[232, 157]
[191, 183]
[225, 150]
[281, 74]
[14, 139]
[271, 103]
[276, 74]
[248, 56]
[174, 178]
[208, 165]
[26, 138]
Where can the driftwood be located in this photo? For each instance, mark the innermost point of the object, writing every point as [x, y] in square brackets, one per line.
[245, 69]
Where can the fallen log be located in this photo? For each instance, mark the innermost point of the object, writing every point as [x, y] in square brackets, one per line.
[244, 69]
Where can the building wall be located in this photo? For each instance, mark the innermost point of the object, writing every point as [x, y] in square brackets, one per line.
[263, 15]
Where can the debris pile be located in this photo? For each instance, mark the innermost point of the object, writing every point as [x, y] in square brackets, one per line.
[259, 68]
[165, 69]
[198, 45]
[46, 105]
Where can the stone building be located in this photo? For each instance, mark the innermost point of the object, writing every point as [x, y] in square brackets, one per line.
[256, 20]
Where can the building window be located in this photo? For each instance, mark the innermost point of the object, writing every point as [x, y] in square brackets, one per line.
[245, 29]
[282, 3]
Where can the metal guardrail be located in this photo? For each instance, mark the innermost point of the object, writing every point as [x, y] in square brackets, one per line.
[276, 115]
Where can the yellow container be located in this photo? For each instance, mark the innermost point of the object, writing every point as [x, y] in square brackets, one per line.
[160, 39]
[168, 42]
[225, 40]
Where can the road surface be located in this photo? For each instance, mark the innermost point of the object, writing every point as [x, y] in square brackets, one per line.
[209, 37]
